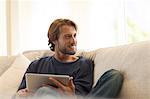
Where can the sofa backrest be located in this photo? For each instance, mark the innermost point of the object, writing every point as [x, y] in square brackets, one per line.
[36, 54]
[133, 60]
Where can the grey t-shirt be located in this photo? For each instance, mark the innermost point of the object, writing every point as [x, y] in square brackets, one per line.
[81, 70]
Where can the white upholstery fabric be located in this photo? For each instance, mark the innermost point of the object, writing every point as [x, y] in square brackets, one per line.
[5, 62]
[133, 60]
[11, 78]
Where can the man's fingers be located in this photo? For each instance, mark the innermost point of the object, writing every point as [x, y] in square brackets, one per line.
[22, 92]
[71, 84]
[57, 83]
[45, 85]
[26, 90]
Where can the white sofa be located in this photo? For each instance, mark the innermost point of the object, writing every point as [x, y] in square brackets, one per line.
[133, 60]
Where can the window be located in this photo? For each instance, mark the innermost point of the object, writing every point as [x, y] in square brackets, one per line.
[137, 20]
[101, 23]
[3, 50]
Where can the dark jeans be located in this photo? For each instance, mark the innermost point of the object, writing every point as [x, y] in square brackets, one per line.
[108, 86]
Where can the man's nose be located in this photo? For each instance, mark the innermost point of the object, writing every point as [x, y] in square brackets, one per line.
[73, 41]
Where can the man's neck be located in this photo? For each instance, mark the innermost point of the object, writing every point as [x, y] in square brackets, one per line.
[65, 57]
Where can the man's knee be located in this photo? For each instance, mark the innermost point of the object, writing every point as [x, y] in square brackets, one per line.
[46, 91]
[109, 85]
[44, 88]
[117, 75]
[115, 81]
[113, 76]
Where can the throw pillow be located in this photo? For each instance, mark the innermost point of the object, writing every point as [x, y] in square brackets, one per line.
[5, 62]
[11, 78]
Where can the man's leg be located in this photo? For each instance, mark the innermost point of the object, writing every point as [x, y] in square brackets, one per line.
[108, 86]
[46, 92]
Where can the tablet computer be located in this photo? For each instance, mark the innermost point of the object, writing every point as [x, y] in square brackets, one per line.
[35, 81]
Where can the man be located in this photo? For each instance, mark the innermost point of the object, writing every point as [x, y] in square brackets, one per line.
[62, 40]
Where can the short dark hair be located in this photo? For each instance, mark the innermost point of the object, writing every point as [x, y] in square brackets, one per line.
[54, 30]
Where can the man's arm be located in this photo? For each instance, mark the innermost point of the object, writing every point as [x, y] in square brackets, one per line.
[22, 90]
[84, 78]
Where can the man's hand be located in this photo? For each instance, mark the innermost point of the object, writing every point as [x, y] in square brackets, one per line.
[69, 89]
[23, 92]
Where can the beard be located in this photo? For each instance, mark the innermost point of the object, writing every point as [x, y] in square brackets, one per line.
[68, 52]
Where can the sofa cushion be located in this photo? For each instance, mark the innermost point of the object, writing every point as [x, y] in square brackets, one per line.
[5, 62]
[36, 54]
[10, 79]
[133, 60]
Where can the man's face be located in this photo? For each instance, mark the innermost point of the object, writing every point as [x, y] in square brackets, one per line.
[67, 41]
